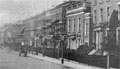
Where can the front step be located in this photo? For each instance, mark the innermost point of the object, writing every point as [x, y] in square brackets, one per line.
[99, 52]
[92, 52]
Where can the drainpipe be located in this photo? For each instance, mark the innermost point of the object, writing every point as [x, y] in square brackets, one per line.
[108, 61]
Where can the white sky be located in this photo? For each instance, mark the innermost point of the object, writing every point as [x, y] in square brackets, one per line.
[13, 10]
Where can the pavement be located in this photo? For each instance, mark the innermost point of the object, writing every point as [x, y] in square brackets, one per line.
[11, 60]
[68, 63]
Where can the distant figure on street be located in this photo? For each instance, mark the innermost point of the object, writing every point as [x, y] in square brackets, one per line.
[23, 50]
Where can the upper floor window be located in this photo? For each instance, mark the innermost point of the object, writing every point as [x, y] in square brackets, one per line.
[68, 22]
[74, 5]
[101, 12]
[70, 25]
[106, 32]
[95, 2]
[79, 4]
[101, 1]
[108, 11]
[86, 29]
[107, 0]
[119, 8]
[74, 25]
[68, 7]
[95, 16]
[79, 24]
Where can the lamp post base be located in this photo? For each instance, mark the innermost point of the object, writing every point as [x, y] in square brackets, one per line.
[62, 61]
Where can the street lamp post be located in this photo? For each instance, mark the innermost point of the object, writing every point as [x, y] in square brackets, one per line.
[108, 60]
[62, 40]
[63, 31]
[59, 46]
[62, 44]
[4, 38]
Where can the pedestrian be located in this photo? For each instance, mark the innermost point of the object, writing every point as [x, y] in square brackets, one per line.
[20, 50]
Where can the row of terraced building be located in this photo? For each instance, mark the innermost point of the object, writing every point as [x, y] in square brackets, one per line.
[75, 22]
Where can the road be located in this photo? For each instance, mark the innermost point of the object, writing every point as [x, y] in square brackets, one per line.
[13, 61]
